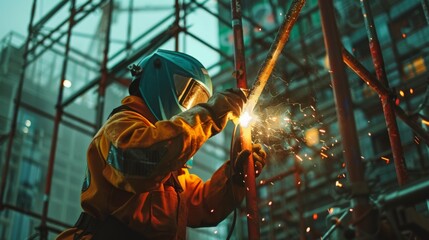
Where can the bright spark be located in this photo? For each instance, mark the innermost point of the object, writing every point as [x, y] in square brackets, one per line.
[338, 184]
[245, 119]
[385, 159]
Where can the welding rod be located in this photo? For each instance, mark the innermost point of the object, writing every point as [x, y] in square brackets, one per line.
[276, 48]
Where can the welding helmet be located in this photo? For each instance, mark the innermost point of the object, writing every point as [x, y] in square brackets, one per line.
[170, 82]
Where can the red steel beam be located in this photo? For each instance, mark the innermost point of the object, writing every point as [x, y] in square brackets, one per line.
[386, 100]
[18, 97]
[263, 75]
[253, 231]
[104, 71]
[377, 86]
[363, 218]
[58, 116]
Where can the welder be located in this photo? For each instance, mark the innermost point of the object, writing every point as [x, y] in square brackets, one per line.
[137, 184]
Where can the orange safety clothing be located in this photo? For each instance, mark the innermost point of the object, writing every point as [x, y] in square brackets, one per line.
[138, 191]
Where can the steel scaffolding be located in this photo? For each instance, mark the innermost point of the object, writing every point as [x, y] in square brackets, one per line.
[366, 212]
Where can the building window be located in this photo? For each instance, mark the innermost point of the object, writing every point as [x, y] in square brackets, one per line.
[408, 23]
[414, 67]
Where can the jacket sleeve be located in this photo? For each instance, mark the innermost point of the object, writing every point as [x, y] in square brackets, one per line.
[137, 151]
[211, 202]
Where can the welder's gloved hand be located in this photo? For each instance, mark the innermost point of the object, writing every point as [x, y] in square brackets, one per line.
[226, 105]
[259, 156]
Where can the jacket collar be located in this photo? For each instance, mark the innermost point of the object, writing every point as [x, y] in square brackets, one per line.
[138, 105]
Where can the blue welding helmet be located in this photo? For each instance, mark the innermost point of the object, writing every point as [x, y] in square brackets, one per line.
[171, 82]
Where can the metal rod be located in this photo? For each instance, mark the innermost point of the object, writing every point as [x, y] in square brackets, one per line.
[207, 44]
[346, 121]
[176, 21]
[368, 78]
[35, 215]
[77, 20]
[104, 72]
[47, 16]
[55, 30]
[128, 44]
[46, 115]
[386, 100]
[58, 116]
[276, 48]
[18, 97]
[336, 225]
[156, 41]
[253, 231]
[277, 177]
[409, 195]
[298, 181]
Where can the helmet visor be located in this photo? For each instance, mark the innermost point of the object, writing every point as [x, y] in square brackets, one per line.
[189, 91]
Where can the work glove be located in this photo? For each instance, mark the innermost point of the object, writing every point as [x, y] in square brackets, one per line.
[259, 156]
[226, 105]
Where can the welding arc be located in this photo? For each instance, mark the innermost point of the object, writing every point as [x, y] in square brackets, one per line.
[276, 48]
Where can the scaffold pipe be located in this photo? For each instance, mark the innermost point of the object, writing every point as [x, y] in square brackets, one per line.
[362, 210]
[18, 97]
[387, 102]
[261, 80]
[377, 86]
[253, 231]
[104, 71]
[55, 133]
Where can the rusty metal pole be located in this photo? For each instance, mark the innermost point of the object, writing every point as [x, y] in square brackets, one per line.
[386, 100]
[18, 96]
[58, 115]
[377, 86]
[128, 45]
[104, 71]
[363, 218]
[261, 80]
[176, 21]
[298, 184]
[253, 231]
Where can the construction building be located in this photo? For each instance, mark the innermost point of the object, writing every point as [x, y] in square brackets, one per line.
[329, 174]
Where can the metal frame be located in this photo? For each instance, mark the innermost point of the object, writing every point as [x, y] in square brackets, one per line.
[338, 57]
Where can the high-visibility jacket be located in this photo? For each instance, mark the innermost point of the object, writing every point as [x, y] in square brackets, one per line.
[133, 157]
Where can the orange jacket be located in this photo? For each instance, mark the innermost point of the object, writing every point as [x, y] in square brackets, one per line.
[136, 191]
